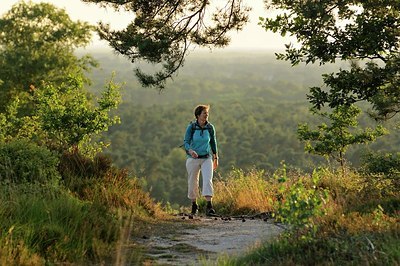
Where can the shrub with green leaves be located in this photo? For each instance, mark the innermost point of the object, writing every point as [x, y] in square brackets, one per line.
[302, 201]
[22, 161]
[70, 118]
[64, 117]
[332, 139]
[387, 164]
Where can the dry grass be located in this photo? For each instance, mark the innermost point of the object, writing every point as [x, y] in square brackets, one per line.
[241, 193]
[17, 254]
[360, 224]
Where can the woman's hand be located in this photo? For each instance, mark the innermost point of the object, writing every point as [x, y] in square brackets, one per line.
[215, 162]
[193, 153]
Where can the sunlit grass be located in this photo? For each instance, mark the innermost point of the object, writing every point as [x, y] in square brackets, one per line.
[95, 211]
[52, 225]
[356, 229]
[90, 216]
[244, 192]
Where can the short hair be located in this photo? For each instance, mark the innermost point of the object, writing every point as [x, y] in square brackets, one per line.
[199, 108]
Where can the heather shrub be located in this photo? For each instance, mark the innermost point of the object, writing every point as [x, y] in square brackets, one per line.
[22, 161]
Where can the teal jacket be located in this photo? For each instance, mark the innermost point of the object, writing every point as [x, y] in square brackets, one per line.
[200, 140]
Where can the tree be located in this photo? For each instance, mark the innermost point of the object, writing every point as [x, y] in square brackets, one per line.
[333, 140]
[37, 43]
[63, 117]
[42, 91]
[356, 30]
[70, 120]
[162, 31]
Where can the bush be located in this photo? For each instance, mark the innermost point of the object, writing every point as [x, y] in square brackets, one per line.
[97, 180]
[302, 201]
[21, 161]
[387, 164]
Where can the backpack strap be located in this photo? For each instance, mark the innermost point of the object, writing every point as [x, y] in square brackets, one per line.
[193, 128]
[208, 127]
[210, 130]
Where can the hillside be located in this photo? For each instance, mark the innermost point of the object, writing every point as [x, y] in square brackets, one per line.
[256, 104]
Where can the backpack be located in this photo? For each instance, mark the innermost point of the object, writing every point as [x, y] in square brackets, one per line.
[208, 127]
[194, 128]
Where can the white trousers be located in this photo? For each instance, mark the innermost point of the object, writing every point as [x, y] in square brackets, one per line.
[193, 167]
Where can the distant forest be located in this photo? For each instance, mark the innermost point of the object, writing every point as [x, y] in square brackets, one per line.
[256, 104]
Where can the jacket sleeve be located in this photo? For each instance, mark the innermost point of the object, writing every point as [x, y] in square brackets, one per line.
[188, 138]
[213, 141]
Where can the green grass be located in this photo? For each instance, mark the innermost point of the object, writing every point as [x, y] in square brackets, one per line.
[345, 249]
[360, 227]
[88, 217]
[53, 224]
[97, 208]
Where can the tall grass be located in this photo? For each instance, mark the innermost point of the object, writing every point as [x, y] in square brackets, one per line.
[88, 217]
[244, 193]
[360, 225]
[97, 180]
[52, 224]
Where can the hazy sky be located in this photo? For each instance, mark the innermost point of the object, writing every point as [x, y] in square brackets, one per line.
[252, 37]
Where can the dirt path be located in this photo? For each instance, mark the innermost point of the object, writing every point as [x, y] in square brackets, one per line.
[203, 238]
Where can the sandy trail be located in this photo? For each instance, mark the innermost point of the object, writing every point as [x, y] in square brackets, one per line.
[207, 239]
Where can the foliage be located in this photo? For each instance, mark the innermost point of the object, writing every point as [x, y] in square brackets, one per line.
[14, 126]
[386, 164]
[344, 249]
[333, 140]
[63, 117]
[68, 117]
[294, 199]
[358, 31]
[301, 202]
[348, 233]
[37, 45]
[22, 161]
[163, 31]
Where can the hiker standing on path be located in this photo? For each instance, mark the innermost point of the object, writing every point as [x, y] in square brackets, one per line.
[202, 155]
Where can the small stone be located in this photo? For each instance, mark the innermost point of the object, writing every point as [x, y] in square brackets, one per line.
[243, 220]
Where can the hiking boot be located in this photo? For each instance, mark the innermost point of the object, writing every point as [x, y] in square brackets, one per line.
[194, 208]
[210, 210]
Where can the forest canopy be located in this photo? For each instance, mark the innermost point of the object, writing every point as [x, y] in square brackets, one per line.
[256, 107]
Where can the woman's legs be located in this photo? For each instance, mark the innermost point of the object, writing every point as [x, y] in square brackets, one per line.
[208, 190]
[193, 167]
[207, 174]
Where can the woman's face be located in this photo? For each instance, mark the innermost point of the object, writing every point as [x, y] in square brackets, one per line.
[204, 115]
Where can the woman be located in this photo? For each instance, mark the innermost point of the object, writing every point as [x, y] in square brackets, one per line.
[202, 155]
